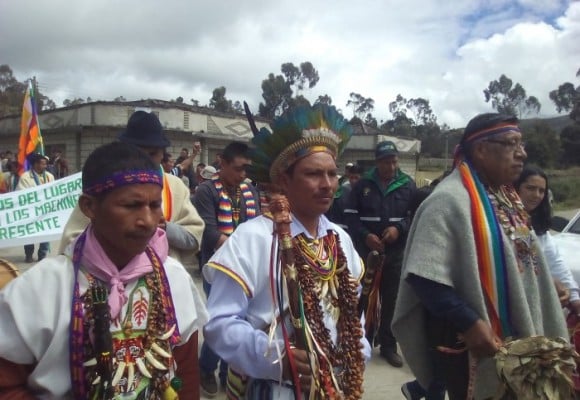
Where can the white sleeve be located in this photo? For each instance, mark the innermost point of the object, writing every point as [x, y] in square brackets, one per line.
[245, 348]
[558, 268]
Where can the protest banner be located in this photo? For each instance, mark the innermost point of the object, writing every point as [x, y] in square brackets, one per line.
[38, 214]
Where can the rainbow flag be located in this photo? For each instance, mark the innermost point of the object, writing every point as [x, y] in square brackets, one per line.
[30, 137]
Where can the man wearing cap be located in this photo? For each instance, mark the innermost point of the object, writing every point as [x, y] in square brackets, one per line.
[35, 176]
[473, 269]
[181, 222]
[224, 201]
[378, 219]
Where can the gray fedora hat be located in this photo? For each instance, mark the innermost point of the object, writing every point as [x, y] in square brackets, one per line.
[145, 130]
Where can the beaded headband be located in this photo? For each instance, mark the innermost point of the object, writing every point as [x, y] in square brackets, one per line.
[298, 133]
[494, 130]
[123, 178]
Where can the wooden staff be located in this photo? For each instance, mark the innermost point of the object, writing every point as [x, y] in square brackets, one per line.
[280, 210]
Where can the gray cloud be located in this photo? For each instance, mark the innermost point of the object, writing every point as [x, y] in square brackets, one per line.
[446, 52]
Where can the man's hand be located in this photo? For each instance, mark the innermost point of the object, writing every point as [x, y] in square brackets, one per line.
[481, 340]
[390, 235]
[563, 293]
[196, 148]
[374, 243]
[302, 367]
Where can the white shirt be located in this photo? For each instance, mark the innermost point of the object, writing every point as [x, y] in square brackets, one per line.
[35, 310]
[240, 304]
[558, 268]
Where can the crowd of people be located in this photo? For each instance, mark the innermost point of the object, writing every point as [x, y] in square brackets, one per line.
[465, 265]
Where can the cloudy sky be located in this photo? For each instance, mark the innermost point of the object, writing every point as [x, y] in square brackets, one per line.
[444, 51]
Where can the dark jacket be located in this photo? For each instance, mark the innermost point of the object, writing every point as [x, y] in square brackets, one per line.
[336, 211]
[206, 201]
[372, 209]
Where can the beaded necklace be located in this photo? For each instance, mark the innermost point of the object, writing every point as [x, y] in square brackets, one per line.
[342, 362]
[100, 368]
[514, 221]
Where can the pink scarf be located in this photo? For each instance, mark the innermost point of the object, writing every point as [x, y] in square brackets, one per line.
[97, 263]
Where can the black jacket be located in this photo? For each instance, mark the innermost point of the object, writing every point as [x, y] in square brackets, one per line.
[372, 209]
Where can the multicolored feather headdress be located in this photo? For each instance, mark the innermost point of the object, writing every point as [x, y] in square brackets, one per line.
[296, 134]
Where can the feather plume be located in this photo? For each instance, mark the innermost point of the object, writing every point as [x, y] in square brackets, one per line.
[321, 124]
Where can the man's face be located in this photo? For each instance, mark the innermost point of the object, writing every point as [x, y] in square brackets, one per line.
[501, 157]
[168, 164]
[353, 178]
[136, 212]
[310, 188]
[184, 153]
[387, 167]
[233, 173]
[156, 153]
[40, 166]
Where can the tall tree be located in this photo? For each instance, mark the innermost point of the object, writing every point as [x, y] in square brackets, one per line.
[567, 98]
[360, 105]
[422, 111]
[324, 99]
[219, 102]
[398, 107]
[510, 99]
[73, 102]
[281, 92]
[12, 94]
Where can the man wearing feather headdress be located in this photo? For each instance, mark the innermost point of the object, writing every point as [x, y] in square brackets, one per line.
[306, 341]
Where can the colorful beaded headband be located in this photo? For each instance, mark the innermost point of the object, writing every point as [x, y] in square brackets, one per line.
[124, 178]
[494, 130]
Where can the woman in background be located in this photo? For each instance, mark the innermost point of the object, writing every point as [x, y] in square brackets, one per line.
[532, 186]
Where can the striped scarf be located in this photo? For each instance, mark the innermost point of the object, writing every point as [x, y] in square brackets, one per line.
[228, 216]
[491, 258]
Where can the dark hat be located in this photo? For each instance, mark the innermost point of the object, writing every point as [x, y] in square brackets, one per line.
[145, 130]
[385, 149]
[34, 157]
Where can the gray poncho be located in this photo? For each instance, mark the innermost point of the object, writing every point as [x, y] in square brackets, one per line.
[441, 247]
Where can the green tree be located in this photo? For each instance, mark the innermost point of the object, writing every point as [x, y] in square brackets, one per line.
[398, 107]
[281, 92]
[567, 98]
[360, 105]
[371, 121]
[219, 102]
[324, 99]
[540, 144]
[422, 111]
[570, 144]
[74, 102]
[12, 94]
[510, 99]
